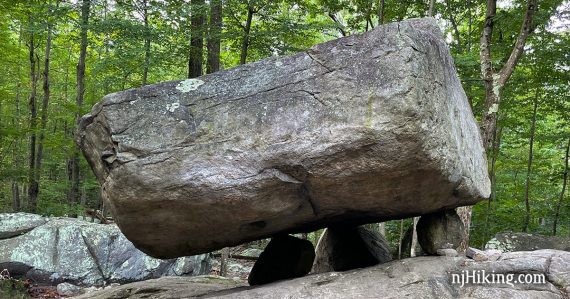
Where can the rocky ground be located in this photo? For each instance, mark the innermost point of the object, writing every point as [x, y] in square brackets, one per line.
[420, 277]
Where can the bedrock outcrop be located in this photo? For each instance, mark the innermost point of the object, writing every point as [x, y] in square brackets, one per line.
[419, 277]
[56, 250]
[370, 127]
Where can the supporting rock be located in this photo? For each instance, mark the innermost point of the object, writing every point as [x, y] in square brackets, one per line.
[347, 248]
[440, 230]
[284, 257]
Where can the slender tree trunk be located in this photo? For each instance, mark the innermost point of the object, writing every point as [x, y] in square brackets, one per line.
[469, 25]
[381, 8]
[146, 43]
[339, 25]
[529, 167]
[401, 239]
[33, 123]
[414, 242]
[382, 228]
[16, 201]
[431, 8]
[453, 25]
[196, 39]
[493, 197]
[214, 38]
[246, 32]
[494, 83]
[44, 114]
[15, 197]
[564, 184]
[224, 262]
[74, 196]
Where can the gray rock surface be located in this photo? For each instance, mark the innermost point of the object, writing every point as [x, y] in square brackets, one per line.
[347, 248]
[83, 253]
[527, 242]
[15, 224]
[67, 289]
[420, 277]
[447, 252]
[366, 128]
[439, 230]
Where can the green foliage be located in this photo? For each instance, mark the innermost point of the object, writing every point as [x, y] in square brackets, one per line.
[116, 61]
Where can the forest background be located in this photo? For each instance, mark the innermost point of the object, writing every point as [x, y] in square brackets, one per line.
[59, 57]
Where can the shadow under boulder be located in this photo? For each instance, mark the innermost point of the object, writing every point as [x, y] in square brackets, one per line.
[347, 248]
[285, 257]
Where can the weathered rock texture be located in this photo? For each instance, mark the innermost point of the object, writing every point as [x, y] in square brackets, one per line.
[439, 230]
[15, 224]
[347, 248]
[371, 127]
[71, 250]
[527, 242]
[285, 257]
[421, 277]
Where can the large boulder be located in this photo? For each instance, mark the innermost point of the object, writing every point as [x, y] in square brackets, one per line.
[88, 254]
[370, 127]
[346, 248]
[421, 277]
[510, 241]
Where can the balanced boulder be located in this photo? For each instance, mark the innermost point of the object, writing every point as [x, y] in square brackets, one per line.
[365, 128]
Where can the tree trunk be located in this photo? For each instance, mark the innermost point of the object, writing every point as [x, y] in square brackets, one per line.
[401, 239]
[75, 175]
[494, 83]
[214, 38]
[414, 242]
[45, 103]
[196, 39]
[494, 154]
[32, 191]
[146, 43]
[431, 8]
[529, 167]
[246, 32]
[382, 228]
[224, 262]
[15, 197]
[564, 184]
[381, 9]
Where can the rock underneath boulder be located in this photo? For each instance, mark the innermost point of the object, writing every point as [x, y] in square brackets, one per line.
[447, 252]
[15, 224]
[527, 242]
[420, 277]
[439, 231]
[285, 257]
[347, 248]
[251, 252]
[83, 253]
[351, 131]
